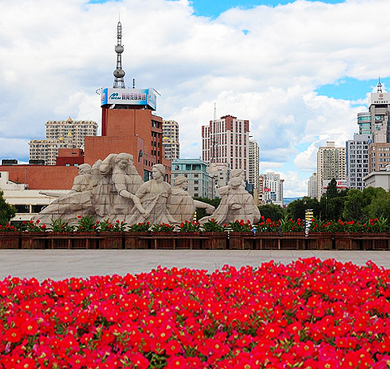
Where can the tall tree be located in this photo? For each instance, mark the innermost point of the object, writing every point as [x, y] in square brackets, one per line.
[354, 207]
[332, 202]
[297, 208]
[272, 211]
[6, 211]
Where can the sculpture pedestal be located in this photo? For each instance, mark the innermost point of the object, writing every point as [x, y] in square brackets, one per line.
[241, 240]
[188, 240]
[110, 240]
[293, 241]
[267, 241]
[163, 240]
[34, 240]
[136, 240]
[9, 240]
[214, 241]
[60, 240]
[346, 241]
[85, 240]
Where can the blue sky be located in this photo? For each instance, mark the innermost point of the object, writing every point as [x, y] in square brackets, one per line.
[212, 8]
[299, 71]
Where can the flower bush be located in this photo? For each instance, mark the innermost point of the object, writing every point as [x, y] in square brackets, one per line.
[163, 227]
[307, 314]
[189, 226]
[140, 227]
[292, 225]
[212, 226]
[107, 226]
[32, 226]
[58, 225]
[87, 224]
[240, 226]
[376, 225]
[268, 225]
[8, 228]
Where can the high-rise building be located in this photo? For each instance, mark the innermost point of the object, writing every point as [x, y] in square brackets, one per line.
[330, 164]
[368, 150]
[220, 174]
[72, 130]
[226, 140]
[379, 156]
[254, 165]
[312, 186]
[379, 105]
[171, 139]
[61, 134]
[375, 121]
[272, 187]
[364, 122]
[357, 164]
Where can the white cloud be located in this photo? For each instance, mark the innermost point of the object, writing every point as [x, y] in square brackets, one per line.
[53, 58]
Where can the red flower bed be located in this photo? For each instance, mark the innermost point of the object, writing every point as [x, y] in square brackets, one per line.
[307, 314]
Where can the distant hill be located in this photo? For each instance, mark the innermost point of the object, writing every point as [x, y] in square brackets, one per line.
[287, 200]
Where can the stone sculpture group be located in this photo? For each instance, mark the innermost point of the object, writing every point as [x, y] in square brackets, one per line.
[113, 190]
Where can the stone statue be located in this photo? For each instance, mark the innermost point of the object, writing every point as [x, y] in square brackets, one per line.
[112, 189]
[154, 196]
[181, 205]
[236, 203]
[77, 202]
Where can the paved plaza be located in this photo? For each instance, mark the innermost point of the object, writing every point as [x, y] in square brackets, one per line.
[61, 264]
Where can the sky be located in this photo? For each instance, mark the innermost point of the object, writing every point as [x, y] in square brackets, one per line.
[299, 71]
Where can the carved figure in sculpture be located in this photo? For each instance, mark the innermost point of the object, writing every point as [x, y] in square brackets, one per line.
[125, 180]
[181, 205]
[76, 202]
[154, 196]
[241, 204]
[102, 193]
[236, 203]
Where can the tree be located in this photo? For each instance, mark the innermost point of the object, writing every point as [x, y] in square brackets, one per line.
[272, 211]
[379, 205]
[354, 207]
[6, 211]
[332, 202]
[297, 208]
[331, 190]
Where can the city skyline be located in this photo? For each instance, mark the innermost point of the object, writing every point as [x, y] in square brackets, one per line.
[299, 71]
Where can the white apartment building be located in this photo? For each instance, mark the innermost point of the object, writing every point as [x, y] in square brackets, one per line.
[254, 165]
[357, 160]
[272, 187]
[220, 174]
[61, 134]
[312, 186]
[331, 163]
[226, 140]
[171, 142]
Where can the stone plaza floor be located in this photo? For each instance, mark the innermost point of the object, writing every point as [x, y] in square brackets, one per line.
[61, 264]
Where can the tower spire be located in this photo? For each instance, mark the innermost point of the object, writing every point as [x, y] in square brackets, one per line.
[379, 86]
[119, 73]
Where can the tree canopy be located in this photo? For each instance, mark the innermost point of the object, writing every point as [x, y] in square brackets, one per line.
[6, 211]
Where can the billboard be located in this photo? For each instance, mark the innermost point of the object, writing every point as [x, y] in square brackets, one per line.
[382, 98]
[129, 96]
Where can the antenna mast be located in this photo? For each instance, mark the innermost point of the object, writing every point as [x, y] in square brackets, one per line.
[119, 73]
